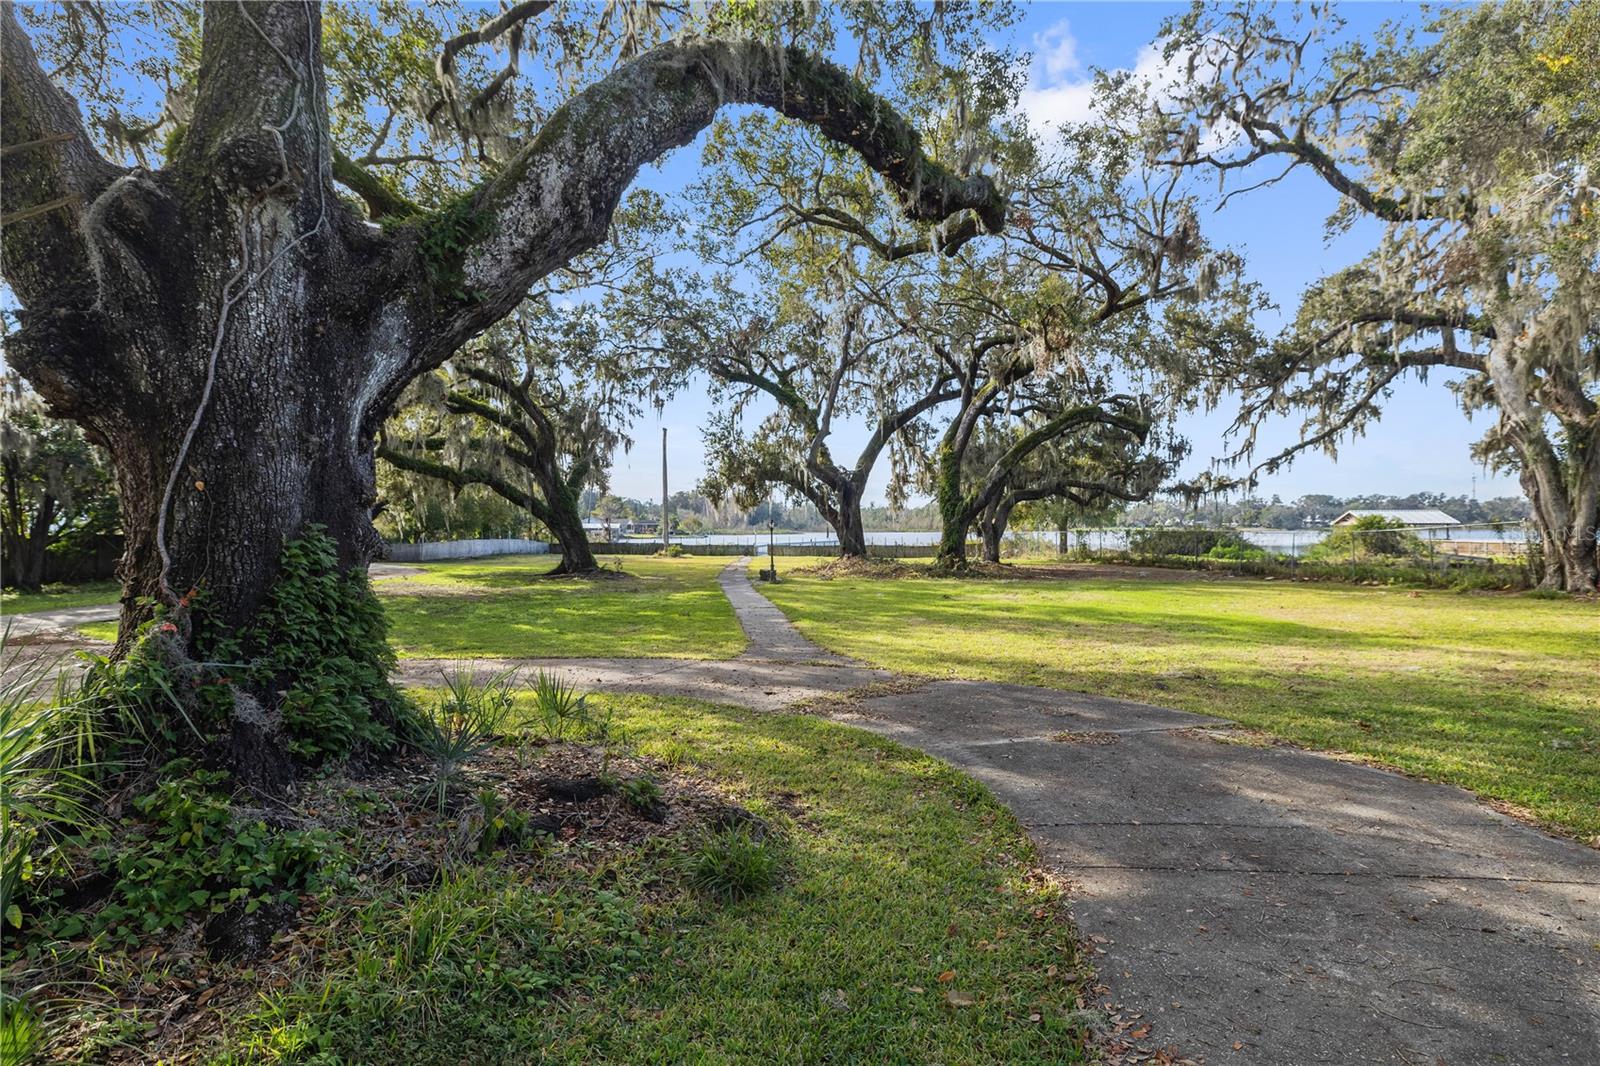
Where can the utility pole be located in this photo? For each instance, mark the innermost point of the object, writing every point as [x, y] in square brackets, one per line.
[666, 525]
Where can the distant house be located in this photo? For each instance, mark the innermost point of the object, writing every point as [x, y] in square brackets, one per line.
[1408, 518]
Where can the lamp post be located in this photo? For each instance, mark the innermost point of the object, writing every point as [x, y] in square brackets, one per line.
[772, 543]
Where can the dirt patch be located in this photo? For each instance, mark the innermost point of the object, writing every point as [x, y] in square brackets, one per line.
[851, 699]
[857, 567]
[600, 573]
[1087, 737]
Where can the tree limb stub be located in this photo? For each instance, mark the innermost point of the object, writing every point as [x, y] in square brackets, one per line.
[382, 202]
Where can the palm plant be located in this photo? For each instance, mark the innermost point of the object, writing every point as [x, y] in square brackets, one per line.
[559, 707]
[466, 721]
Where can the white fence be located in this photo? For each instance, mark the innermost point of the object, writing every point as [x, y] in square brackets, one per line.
[429, 551]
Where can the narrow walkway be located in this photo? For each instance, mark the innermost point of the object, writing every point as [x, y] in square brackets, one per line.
[772, 638]
[35, 622]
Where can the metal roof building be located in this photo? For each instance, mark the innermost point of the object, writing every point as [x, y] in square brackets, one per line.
[1411, 518]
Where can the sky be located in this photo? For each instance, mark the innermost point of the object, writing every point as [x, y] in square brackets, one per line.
[1422, 442]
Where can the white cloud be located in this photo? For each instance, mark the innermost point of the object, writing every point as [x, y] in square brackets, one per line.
[1057, 52]
[1060, 89]
[1058, 105]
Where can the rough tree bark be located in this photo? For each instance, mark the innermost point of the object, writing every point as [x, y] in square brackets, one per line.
[1563, 487]
[234, 334]
[956, 511]
[992, 525]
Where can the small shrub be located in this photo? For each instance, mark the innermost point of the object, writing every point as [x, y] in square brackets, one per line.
[731, 864]
[642, 794]
[639, 791]
[1182, 541]
[671, 551]
[503, 825]
[466, 722]
[1371, 537]
[559, 709]
[1234, 553]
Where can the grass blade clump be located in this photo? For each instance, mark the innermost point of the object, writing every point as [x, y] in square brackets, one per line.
[732, 863]
[46, 744]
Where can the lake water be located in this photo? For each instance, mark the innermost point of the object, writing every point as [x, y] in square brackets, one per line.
[1292, 542]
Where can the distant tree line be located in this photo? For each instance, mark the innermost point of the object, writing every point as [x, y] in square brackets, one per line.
[1316, 510]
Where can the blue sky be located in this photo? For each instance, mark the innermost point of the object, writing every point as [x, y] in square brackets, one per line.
[1422, 442]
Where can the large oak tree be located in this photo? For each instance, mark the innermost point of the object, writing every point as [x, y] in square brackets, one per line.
[234, 331]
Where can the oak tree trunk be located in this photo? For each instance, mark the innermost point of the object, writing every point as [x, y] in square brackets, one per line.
[954, 515]
[26, 540]
[848, 525]
[565, 523]
[992, 527]
[1562, 486]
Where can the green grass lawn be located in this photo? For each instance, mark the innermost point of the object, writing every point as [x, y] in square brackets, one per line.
[56, 597]
[504, 608]
[907, 927]
[1499, 693]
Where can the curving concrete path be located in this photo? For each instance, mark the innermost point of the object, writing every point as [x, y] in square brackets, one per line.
[1270, 905]
[1259, 905]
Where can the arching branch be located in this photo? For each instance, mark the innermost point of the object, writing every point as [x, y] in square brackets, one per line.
[463, 477]
[556, 197]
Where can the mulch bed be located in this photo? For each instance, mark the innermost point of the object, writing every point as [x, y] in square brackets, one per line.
[176, 989]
